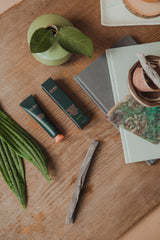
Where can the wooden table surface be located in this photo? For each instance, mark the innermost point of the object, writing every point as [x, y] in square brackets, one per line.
[116, 195]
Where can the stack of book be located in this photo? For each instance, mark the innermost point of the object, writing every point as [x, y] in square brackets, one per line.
[105, 82]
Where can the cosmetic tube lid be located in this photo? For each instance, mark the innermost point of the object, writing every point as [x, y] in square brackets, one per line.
[58, 138]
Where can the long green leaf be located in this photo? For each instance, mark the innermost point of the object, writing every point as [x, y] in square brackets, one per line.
[74, 41]
[41, 40]
[11, 168]
[22, 143]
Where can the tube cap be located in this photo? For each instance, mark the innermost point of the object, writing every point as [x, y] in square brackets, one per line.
[58, 138]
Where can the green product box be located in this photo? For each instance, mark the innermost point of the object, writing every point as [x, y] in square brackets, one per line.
[65, 103]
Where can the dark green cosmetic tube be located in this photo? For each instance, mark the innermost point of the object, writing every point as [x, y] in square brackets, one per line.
[31, 106]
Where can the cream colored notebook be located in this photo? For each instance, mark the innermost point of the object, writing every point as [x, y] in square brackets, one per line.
[114, 13]
[120, 60]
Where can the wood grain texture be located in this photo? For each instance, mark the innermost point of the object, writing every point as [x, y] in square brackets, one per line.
[116, 195]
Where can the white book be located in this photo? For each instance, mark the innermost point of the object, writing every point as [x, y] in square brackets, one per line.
[120, 60]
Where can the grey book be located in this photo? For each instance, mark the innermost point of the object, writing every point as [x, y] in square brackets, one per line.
[95, 80]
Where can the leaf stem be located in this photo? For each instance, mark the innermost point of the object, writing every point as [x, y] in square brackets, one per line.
[54, 29]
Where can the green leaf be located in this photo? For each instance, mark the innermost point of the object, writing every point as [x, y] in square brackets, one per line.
[12, 170]
[41, 40]
[74, 41]
[22, 143]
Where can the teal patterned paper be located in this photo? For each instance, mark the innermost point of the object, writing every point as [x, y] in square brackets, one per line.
[132, 116]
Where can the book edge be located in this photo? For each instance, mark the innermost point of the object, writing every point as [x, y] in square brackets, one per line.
[115, 91]
[90, 94]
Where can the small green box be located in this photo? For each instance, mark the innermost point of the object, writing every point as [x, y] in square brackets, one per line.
[65, 103]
